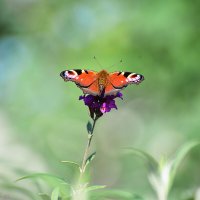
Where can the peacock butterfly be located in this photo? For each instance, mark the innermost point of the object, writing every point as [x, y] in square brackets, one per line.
[103, 82]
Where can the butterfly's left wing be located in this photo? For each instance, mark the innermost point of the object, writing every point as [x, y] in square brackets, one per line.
[84, 79]
[119, 80]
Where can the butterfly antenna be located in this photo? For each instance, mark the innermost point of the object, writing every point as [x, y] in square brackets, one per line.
[119, 62]
[97, 61]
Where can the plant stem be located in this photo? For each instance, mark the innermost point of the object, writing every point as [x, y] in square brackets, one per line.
[79, 192]
[85, 156]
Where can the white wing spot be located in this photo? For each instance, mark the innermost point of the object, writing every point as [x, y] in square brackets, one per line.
[81, 79]
[122, 81]
[70, 75]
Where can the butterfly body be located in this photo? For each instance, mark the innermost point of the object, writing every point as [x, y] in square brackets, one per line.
[103, 82]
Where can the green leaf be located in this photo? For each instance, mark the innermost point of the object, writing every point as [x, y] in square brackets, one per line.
[48, 178]
[95, 187]
[74, 164]
[55, 194]
[89, 127]
[52, 181]
[153, 165]
[65, 192]
[45, 197]
[90, 158]
[178, 158]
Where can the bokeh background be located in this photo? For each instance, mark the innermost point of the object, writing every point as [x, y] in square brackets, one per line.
[41, 119]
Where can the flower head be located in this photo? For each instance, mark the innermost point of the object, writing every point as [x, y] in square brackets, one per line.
[98, 105]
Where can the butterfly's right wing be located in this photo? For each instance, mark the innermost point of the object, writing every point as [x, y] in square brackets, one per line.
[119, 80]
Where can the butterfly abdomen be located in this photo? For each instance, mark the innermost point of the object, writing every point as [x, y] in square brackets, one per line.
[102, 80]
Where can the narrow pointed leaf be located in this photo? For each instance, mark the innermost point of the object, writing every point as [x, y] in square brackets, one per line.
[48, 178]
[151, 162]
[65, 190]
[178, 158]
[55, 194]
[89, 127]
[52, 181]
[90, 158]
[74, 164]
[95, 187]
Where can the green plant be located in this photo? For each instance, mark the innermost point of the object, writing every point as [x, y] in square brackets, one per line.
[81, 189]
[161, 173]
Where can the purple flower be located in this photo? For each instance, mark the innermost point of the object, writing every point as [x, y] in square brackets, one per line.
[98, 105]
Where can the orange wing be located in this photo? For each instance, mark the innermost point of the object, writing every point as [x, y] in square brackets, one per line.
[87, 81]
[84, 79]
[119, 80]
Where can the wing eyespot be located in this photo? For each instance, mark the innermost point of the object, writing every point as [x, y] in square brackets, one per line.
[133, 76]
[71, 72]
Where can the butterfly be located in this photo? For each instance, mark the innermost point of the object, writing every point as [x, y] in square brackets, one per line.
[101, 83]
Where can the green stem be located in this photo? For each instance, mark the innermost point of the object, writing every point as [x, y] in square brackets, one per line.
[85, 156]
[79, 192]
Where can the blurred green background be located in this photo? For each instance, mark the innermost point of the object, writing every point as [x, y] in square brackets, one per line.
[41, 119]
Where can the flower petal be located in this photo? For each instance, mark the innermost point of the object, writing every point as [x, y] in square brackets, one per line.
[99, 105]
